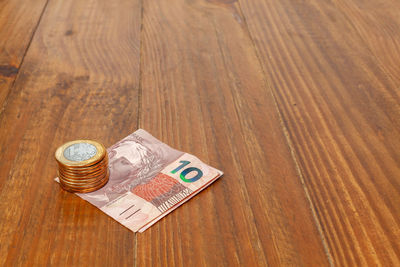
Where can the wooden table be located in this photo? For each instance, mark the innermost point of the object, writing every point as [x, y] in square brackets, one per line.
[298, 102]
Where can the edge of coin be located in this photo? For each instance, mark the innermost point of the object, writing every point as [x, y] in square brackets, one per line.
[59, 154]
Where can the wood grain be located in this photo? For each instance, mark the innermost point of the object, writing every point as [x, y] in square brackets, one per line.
[298, 102]
[333, 69]
[79, 79]
[203, 92]
[18, 22]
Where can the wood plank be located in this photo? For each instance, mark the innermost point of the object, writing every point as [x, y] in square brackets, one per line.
[18, 21]
[333, 68]
[79, 80]
[203, 92]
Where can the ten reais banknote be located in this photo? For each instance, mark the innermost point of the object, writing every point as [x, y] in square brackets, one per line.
[148, 180]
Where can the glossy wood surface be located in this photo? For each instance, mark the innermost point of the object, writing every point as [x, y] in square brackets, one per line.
[298, 102]
[18, 23]
[80, 77]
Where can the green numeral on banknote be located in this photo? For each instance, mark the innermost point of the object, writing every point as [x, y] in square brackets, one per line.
[187, 171]
[184, 163]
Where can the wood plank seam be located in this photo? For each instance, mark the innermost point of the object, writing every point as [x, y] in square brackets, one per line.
[47, 89]
[289, 144]
[135, 253]
[303, 163]
[22, 59]
[218, 38]
[358, 168]
[139, 111]
[139, 101]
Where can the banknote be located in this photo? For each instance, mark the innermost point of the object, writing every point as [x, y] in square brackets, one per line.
[148, 180]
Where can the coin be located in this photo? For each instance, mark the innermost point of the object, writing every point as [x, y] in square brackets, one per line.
[85, 190]
[85, 169]
[82, 166]
[80, 153]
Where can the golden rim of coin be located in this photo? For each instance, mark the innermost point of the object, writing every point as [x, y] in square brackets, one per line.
[85, 176]
[76, 173]
[83, 179]
[85, 184]
[97, 157]
[103, 161]
[72, 189]
[77, 169]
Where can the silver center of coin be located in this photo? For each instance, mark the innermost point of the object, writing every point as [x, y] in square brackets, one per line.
[80, 152]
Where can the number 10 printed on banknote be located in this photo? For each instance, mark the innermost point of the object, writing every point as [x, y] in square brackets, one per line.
[148, 180]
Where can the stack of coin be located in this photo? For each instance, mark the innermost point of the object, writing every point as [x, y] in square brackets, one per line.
[82, 166]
